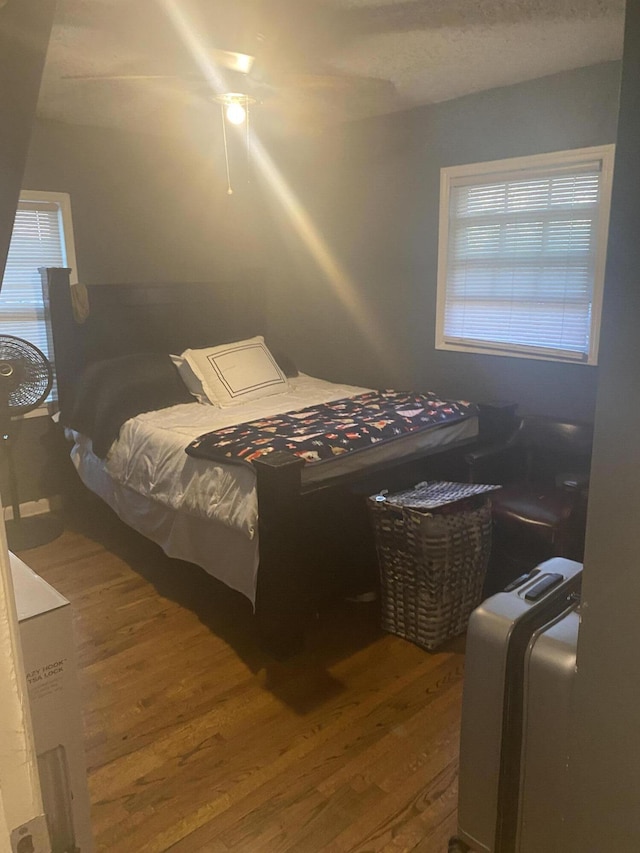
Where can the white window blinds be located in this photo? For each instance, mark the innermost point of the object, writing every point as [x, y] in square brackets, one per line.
[523, 259]
[37, 241]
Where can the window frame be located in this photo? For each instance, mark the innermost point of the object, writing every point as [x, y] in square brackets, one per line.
[63, 201]
[514, 167]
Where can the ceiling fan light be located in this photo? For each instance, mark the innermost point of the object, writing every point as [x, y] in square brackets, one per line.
[236, 113]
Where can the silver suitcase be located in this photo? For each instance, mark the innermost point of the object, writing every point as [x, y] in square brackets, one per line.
[520, 662]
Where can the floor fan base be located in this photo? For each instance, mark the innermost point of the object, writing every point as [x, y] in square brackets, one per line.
[32, 531]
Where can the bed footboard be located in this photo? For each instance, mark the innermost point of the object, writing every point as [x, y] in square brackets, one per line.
[281, 607]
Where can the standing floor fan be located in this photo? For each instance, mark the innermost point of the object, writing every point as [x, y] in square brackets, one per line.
[26, 378]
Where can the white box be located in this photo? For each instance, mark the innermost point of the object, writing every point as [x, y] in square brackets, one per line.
[49, 653]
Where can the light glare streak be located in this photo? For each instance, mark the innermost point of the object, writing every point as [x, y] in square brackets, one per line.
[317, 247]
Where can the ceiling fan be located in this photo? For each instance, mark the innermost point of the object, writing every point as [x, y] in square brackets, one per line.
[270, 52]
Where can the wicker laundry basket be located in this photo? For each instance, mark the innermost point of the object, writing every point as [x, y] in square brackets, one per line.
[433, 543]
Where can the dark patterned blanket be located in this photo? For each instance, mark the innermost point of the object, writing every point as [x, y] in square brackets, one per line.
[320, 433]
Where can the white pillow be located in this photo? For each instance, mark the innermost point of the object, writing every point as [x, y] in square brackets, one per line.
[235, 373]
[194, 385]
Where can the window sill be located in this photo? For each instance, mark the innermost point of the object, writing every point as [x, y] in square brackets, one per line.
[503, 352]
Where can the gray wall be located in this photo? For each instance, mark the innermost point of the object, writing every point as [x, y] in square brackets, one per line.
[147, 208]
[373, 190]
[605, 754]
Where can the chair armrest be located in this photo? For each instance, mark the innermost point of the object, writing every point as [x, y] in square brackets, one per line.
[494, 463]
[573, 482]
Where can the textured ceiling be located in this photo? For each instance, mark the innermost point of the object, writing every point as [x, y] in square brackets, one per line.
[317, 60]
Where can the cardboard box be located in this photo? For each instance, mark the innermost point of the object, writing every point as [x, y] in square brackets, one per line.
[48, 649]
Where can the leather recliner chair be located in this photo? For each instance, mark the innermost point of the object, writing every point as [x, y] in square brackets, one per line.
[540, 512]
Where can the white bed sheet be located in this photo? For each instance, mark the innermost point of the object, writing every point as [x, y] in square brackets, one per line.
[222, 552]
[149, 455]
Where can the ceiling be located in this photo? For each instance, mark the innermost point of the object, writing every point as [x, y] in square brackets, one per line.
[317, 61]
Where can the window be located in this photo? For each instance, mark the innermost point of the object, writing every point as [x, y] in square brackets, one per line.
[522, 255]
[42, 237]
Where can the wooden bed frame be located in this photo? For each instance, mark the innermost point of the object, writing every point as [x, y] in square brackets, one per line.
[315, 542]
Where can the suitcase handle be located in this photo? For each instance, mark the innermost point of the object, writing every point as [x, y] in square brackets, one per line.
[546, 582]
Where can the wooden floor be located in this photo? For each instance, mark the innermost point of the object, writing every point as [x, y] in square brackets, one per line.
[197, 741]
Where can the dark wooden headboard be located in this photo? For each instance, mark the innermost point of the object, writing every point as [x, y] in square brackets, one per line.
[147, 317]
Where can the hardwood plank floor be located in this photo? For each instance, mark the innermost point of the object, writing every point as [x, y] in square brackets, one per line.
[197, 741]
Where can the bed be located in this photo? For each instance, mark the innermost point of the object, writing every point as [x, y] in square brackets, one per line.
[287, 535]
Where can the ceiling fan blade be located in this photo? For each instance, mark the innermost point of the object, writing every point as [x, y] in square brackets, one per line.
[304, 104]
[127, 76]
[238, 64]
[327, 82]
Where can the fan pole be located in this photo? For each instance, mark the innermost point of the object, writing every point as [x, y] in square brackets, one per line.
[13, 480]
[28, 532]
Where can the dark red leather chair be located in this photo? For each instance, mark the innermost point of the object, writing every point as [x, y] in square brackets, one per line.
[541, 511]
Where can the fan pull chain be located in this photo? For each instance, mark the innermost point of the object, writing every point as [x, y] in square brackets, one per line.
[226, 149]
